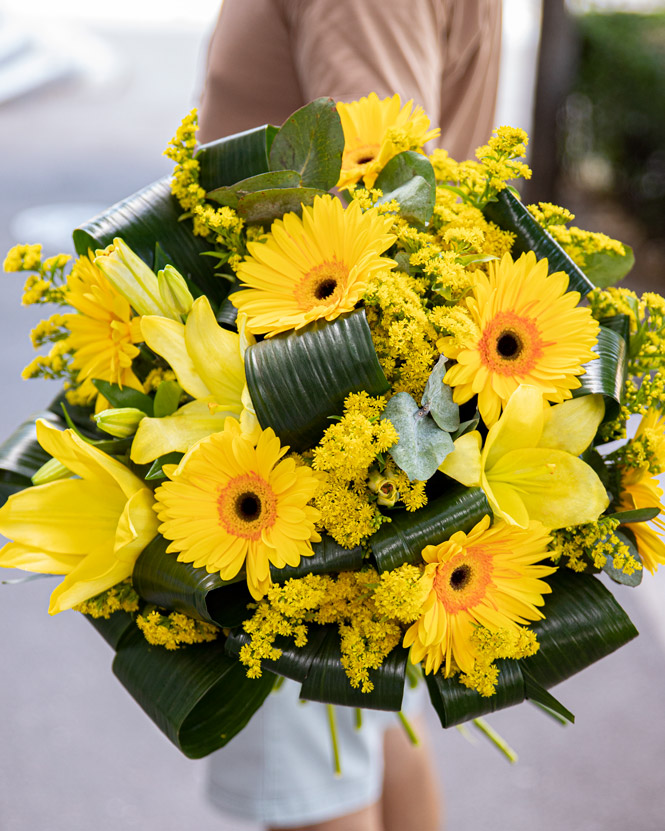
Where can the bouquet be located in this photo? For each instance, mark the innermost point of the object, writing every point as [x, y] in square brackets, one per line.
[351, 440]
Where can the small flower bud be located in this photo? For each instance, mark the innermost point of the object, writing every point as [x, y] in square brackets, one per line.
[384, 487]
[121, 422]
[51, 471]
[173, 290]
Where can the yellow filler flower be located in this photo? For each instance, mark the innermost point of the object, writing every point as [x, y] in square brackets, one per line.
[530, 331]
[641, 489]
[91, 529]
[103, 333]
[375, 130]
[310, 268]
[208, 363]
[230, 504]
[488, 577]
[529, 468]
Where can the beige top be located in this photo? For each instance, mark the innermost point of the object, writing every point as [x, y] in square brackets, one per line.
[267, 58]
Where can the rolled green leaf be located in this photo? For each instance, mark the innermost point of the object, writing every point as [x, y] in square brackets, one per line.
[327, 681]
[606, 374]
[299, 379]
[113, 628]
[409, 178]
[455, 703]
[403, 539]
[149, 217]
[511, 215]
[583, 623]
[198, 696]
[539, 695]
[235, 158]
[160, 579]
[329, 556]
[21, 454]
[311, 141]
[295, 661]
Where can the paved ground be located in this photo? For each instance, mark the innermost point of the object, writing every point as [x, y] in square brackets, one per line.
[76, 752]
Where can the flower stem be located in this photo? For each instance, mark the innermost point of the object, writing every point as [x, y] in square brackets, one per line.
[332, 724]
[410, 732]
[359, 718]
[498, 741]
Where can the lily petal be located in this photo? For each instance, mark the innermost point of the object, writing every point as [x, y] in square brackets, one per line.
[167, 338]
[520, 426]
[571, 426]
[17, 555]
[463, 464]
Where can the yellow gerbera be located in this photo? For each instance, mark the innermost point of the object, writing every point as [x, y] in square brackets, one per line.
[310, 268]
[641, 489]
[530, 331]
[103, 333]
[91, 528]
[488, 578]
[230, 504]
[375, 130]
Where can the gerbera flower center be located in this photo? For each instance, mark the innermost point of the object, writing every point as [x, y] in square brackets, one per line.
[364, 154]
[511, 344]
[246, 506]
[463, 581]
[323, 284]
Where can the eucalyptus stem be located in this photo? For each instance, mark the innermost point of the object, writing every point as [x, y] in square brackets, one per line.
[410, 732]
[332, 724]
[498, 741]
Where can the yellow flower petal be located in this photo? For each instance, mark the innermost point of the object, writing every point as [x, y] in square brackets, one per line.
[571, 426]
[463, 464]
[167, 338]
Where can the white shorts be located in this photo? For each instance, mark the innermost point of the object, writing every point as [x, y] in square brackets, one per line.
[279, 770]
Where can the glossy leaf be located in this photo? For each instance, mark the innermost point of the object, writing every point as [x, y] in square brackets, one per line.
[409, 178]
[455, 703]
[403, 539]
[235, 158]
[295, 661]
[299, 379]
[638, 515]
[511, 215]
[125, 396]
[311, 142]
[617, 574]
[160, 579]
[606, 374]
[583, 623]
[539, 695]
[198, 696]
[327, 681]
[113, 628]
[422, 444]
[155, 472]
[21, 454]
[167, 398]
[329, 556]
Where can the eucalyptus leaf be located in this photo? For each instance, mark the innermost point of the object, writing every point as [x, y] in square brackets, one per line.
[403, 539]
[605, 268]
[298, 379]
[125, 397]
[268, 205]
[422, 445]
[510, 214]
[409, 178]
[439, 398]
[617, 574]
[167, 398]
[311, 142]
[198, 696]
[230, 194]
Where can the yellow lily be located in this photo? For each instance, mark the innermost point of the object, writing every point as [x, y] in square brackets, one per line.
[529, 468]
[91, 528]
[209, 364]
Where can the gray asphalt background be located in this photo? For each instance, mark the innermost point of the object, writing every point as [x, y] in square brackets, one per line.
[76, 752]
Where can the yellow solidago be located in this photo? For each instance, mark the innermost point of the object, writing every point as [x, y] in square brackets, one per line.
[119, 598]
[591, 544]
[491, 645]
[220, 224]
[367, 609]
[404, 338]
[23, 258]
[647, 448]
[174, 629]
[345, 455]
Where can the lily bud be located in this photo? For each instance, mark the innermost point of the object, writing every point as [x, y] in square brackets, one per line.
[384, 487]
[119, 422]
[50, 471]
[174, 292]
